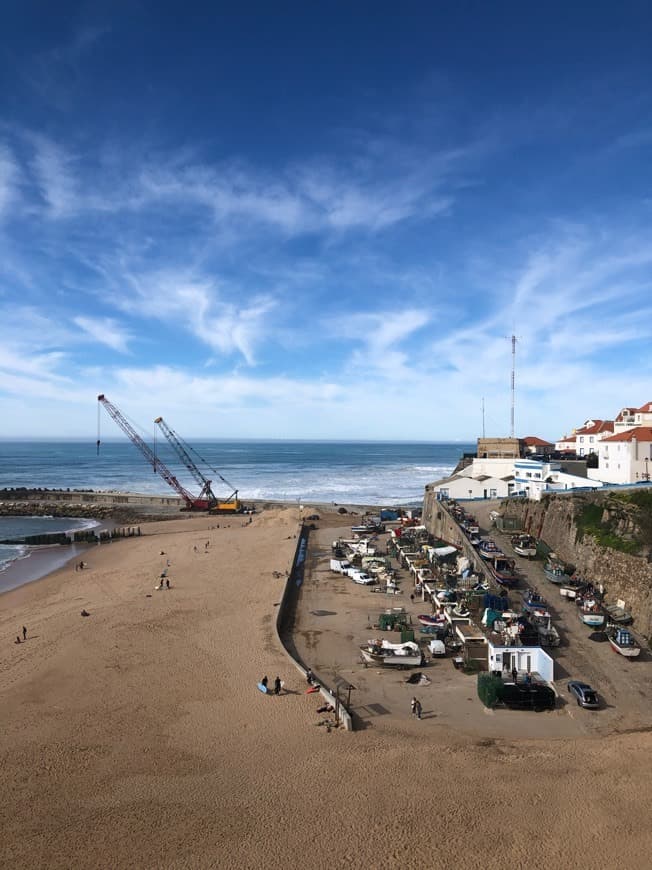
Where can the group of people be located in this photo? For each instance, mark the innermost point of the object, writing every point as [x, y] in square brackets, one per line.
[278, 685]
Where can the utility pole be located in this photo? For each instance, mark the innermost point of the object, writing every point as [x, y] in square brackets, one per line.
[483, 416]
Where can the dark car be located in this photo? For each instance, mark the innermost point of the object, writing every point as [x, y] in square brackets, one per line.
[313, 517]
[584, 694]
[534, 696]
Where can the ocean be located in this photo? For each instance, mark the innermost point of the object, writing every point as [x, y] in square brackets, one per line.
[352, 472]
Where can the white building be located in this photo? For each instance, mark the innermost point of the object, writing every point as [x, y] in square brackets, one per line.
[631, 418]
[468, 483]
[534, 479]
[625, 457]
[585, 440]
[526, 659]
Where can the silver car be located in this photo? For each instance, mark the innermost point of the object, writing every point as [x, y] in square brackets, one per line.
[584, 694]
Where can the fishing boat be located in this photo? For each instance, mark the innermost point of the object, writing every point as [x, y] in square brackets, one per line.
[548, 634]
[503, 570]
[618, 614]
[431, 619]
[533, 602]
[524, 545]
[488, 548]
[622, 641]
[401, 655]
[554, 572]
[590, 613]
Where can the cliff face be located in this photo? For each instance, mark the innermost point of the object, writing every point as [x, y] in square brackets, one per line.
[608, 537]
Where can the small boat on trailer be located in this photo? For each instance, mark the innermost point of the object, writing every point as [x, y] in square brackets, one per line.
[503, 570]
[431, 619]
[622, 641]
[398, 655]
[533, 602]
[488, 548]
[590, 613]
[524, 545]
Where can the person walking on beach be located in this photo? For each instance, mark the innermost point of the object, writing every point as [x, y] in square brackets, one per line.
[167, 583]
[264, 681]
[24, 633]
[309, 677]
[277, 686]
[416, 708]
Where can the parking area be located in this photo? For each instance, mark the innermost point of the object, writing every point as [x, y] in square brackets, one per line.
[335, 616]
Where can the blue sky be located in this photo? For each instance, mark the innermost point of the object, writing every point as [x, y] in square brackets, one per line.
[324, 220]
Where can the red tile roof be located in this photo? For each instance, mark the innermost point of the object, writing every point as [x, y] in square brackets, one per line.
[598, 426]
[533, 441]
[646, 409]
[641, 433]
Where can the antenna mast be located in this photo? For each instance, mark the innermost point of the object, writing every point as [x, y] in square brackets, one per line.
[483, 417]
[513, 385]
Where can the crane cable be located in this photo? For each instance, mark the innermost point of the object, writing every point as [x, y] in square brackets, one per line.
[214, 470]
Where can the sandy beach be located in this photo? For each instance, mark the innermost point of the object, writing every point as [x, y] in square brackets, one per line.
[136, 736]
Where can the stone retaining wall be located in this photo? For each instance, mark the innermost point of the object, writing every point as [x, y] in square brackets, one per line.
[285, 619]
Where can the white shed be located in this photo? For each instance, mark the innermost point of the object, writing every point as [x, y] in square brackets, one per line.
[526, 659]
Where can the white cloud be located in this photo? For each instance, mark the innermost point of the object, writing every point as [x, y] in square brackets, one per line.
[197, 303]
[54, 171]
[105, 330]
[9, 175]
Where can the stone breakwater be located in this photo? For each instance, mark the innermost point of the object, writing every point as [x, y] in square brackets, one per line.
[119, 514]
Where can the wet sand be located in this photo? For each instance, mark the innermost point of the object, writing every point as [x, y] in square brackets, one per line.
[136, 737]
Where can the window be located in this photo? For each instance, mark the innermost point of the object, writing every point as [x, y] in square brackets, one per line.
[591, 439]
[581, 439]
[493, 493]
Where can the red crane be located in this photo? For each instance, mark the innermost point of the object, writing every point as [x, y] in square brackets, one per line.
[192, 503]
[188, 461]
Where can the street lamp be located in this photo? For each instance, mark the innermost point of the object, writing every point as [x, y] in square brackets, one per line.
[646, 475]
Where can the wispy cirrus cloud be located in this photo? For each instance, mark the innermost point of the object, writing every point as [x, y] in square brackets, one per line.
[105, 330]
[9, 179]
[198, 303]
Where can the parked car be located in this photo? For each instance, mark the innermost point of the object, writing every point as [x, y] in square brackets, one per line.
[534, 696]
[584, 694]
[361, 577]
[313, 517]
[437, 648]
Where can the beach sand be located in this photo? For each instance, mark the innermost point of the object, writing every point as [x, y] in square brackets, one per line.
[136, 737]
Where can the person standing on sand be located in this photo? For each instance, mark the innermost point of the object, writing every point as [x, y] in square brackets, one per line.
[277, 686]
[167, 583]
[24, 633]
[309, 677]
[415, 706]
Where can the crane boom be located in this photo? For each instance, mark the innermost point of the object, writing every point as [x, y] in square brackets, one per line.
[150, 456]
[186, 458]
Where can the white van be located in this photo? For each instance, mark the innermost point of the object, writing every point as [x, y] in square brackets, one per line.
[340, 566]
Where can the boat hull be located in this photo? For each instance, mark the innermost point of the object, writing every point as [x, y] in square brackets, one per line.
[389, 660]
[595, 620]
[424, 619]
[630, 652]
